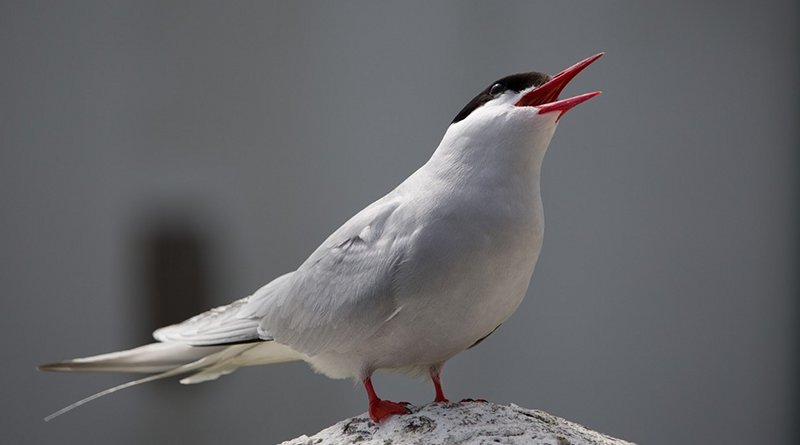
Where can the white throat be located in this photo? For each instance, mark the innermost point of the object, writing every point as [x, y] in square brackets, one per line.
[495, 147]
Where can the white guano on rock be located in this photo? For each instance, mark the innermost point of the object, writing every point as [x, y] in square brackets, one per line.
[460, 423]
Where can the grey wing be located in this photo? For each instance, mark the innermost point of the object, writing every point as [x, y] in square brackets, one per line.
[234, 323]
[346, 289]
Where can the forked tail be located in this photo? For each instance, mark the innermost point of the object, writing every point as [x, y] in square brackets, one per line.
[171, 359]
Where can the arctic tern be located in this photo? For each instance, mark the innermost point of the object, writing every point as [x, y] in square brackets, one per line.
[420, 275]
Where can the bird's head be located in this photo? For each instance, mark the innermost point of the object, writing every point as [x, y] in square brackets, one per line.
[520, 109]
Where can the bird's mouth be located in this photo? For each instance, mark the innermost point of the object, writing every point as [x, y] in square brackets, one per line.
[545, 96]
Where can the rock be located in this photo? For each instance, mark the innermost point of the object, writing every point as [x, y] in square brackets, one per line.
[459, 423]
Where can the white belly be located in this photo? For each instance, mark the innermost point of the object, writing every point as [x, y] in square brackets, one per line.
[451, 296]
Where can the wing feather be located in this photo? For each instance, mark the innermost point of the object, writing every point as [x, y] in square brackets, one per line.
[345, 290]
[342, 293]
[233, 323]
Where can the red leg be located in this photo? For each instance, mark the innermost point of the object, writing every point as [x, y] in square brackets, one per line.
[381, 409]
[437, 384]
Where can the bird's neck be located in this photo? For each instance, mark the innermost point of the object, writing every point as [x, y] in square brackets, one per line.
[491, 157]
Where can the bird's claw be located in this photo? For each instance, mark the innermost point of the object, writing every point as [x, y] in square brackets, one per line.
[381, 409]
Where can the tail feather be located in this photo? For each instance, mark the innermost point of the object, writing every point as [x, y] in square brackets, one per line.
[171, 359]
[264, 353]
[155, 357]
[108, 391]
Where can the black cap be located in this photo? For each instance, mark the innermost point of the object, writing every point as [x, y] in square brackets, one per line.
[515, 82]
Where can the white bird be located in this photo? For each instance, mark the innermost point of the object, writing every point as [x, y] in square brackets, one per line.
[415, 278]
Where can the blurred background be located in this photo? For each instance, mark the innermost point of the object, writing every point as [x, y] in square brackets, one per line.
[160, 158]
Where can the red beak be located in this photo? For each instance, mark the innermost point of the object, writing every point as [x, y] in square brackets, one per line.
[545, 96]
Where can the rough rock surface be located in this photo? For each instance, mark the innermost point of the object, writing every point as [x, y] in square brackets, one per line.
[459, 423]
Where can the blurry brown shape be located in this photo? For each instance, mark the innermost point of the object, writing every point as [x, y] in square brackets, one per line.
[174, 276]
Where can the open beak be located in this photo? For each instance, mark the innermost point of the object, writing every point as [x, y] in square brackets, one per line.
[545, 96]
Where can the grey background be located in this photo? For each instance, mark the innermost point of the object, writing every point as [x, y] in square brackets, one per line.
[664, 306]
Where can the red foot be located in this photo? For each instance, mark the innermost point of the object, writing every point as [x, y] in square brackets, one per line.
[472, 401]
[381, 409]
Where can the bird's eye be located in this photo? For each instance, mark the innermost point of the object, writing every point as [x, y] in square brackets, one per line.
[496, 90]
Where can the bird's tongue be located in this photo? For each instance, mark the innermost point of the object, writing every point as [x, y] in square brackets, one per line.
[545, 96]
